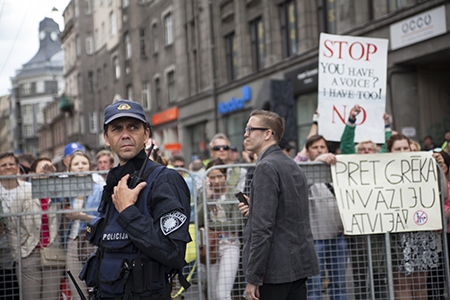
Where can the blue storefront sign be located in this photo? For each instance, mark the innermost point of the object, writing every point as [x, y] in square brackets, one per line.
[235, 103]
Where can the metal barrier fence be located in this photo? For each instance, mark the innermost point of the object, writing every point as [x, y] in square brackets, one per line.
[352, 267]
[358, 267]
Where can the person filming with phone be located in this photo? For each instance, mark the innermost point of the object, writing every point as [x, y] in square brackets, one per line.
[224, 225]
[278, 255]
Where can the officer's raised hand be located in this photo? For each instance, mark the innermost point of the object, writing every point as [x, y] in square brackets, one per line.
[124, 196]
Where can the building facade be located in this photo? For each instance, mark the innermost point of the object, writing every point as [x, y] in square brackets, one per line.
[35, 85]
[6, 138]
[199, 67]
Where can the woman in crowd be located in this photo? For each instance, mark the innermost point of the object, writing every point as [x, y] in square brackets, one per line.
[225, 219]
[37, 231]
[50, 230]
[78, 221]
[413, 253]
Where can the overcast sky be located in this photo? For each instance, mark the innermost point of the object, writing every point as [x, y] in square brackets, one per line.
[19, 33]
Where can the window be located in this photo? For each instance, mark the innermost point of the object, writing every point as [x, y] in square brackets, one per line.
[127, 46]
[288, 21]
[396, 4]
[26, 89]
[77, 8]
[112, 24]
[145, 96]
[88, 7]
[27, 110]
[28, 131]
[78, 45]
[103, 32]
[40, 87]
[90, 81]
[89, 44]
[171, 88]
[257, 43]
[155, 37]
[142, 42]
[116, 67]
[158, 93]
[93, 122]
[231, 56]
[130, 92]
[99, 77]
[327, 16]
[168, 28]
[97, 37]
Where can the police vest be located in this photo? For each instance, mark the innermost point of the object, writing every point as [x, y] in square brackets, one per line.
[122, 269]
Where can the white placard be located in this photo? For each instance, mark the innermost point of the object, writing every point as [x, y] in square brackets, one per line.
[391, 192]
[419, 28]
[352, 70]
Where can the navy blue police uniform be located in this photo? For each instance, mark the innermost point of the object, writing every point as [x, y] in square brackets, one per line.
[141, 248]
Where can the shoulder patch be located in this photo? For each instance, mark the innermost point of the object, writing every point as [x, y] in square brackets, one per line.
[172, 221]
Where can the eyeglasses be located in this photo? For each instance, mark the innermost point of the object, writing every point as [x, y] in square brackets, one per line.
[249, 129]
[224, 147]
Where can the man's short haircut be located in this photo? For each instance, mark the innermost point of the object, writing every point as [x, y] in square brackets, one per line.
[314, 138]
[271, 120]
[395, 137]
[105, 152]
[175, 158]
[216, 137]
[9, 154]
[366, 142]
[34, 164]
[196, 165]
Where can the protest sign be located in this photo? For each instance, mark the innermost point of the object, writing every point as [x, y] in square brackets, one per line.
[352, 70]
[391, 192]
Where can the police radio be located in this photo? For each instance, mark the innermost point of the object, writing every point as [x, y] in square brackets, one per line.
[135, 179]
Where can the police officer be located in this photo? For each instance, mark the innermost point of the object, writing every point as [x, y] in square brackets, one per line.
[143, 231]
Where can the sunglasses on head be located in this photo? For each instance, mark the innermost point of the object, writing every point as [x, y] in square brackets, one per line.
[224, 147]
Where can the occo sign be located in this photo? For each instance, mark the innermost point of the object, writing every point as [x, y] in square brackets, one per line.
[416, 23]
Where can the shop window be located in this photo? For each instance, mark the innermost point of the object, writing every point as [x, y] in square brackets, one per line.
[306, 106]
[199, 144]
[235, 124]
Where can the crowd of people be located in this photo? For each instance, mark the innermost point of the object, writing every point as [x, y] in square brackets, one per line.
[282, 258]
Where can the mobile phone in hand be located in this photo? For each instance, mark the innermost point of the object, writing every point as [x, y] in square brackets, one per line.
[241, 198]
